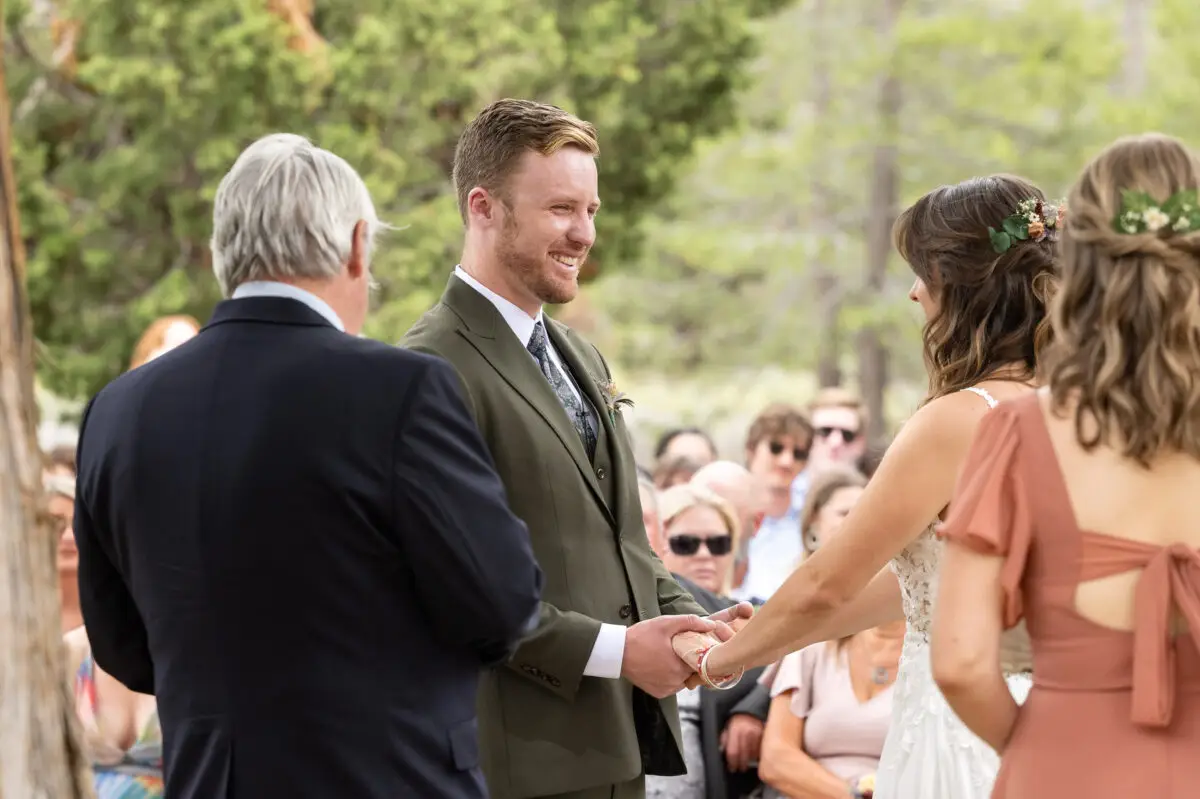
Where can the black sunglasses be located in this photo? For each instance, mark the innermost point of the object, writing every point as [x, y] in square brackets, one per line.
[777, 449]
[847, 435]
[688, 544]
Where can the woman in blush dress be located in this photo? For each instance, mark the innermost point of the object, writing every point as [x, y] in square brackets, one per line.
[832, 702]
[1077, 509]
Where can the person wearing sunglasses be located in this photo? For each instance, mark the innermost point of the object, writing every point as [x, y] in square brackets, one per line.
[839, 420]
[777, 451]
[839, 428]
[722, 730]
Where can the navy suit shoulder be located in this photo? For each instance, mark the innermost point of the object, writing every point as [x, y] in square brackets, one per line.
[296, 539]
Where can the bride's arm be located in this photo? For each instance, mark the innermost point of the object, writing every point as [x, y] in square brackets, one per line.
[912, 486]
[877, 604]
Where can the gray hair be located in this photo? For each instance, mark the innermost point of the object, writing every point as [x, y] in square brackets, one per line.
[287, 209]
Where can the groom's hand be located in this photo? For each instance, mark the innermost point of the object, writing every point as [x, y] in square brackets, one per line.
[650, 662]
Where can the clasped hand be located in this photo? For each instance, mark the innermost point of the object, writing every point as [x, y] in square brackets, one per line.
[662, 655]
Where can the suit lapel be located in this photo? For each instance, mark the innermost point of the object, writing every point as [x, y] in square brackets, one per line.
[590, 386]
[486, 330]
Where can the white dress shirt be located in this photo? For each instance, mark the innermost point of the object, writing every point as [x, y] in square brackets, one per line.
[609, 650]
[273, 288]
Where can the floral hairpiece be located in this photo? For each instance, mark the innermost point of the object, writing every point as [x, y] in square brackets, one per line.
[1034, 220]
[1141, 214]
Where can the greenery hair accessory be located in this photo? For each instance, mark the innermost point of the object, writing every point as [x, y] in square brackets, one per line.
[1141, 214]
[1034, 221]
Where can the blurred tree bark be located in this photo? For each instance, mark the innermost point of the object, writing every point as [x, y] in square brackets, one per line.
[881, 213]
[40, 753]
[1136, 31]
[826, 282]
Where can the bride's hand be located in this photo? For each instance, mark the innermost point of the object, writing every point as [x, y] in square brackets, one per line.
[689, 645]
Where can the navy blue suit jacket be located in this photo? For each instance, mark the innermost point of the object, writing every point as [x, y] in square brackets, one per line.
[295, 539]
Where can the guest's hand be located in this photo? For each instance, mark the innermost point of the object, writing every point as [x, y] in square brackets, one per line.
[741, 741]
[650, 660]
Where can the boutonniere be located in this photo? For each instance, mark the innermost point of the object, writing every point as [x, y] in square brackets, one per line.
[614, 399]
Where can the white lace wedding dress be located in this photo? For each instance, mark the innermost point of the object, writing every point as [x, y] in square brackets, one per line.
[929, 754]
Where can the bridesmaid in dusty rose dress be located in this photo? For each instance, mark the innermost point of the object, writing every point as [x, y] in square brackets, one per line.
[1077, 509]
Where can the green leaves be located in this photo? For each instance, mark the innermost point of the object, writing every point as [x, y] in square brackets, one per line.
[1001, 240]
[1017, 226]
[1014, 228]
[1141, 213]
[117, 171]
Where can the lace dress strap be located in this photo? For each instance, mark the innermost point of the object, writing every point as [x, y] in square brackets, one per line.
[983, 392]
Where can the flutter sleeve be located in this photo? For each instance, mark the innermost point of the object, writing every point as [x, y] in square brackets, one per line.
[796, 675]
[990, 510]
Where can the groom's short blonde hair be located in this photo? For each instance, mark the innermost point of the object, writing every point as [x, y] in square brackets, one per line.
[492, 144]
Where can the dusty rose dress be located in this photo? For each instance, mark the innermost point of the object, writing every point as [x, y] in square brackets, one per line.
[1112, 714]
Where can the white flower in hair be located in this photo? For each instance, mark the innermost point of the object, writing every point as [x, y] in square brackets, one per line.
[1155, 219]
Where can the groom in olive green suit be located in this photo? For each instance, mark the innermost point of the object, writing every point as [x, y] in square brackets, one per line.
[586, 706]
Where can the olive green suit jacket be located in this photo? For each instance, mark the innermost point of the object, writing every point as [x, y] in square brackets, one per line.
[545, 727]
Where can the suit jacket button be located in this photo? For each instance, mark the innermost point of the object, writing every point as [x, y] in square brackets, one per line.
[626, 611]
[600, 473]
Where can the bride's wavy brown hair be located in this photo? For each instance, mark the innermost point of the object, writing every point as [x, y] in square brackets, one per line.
[992, 309]
[1127, 321]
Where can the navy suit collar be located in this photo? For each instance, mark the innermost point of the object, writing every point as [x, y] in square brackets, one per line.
[272, 310]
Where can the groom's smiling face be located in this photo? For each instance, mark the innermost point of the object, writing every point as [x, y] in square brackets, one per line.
[549, 209]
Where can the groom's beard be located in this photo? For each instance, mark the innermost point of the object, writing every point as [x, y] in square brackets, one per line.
[534, 272]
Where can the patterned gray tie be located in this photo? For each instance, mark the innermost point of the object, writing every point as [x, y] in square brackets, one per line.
[539, 348]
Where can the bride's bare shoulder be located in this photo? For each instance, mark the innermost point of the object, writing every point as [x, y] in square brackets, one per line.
[948, 421]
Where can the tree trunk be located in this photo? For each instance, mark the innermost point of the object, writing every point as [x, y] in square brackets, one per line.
[881, 213]
[1136, 35]
[40, 754]
[825, 277]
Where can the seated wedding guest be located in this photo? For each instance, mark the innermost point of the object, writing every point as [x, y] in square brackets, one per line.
[747, 496]
[1076, 509]
[675, 471]
[839, 421]
[648, 495]
[777, 449]
[722, 729]
[685, 442]
[832, 702]
[60, 460]
[869, 461]
[163, 335]
[121, 734]
[58, 481]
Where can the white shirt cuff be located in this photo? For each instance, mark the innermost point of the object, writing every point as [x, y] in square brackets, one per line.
[607, 653]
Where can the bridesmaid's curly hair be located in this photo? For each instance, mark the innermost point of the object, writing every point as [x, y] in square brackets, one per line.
[1127, 321]
[992, 307]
